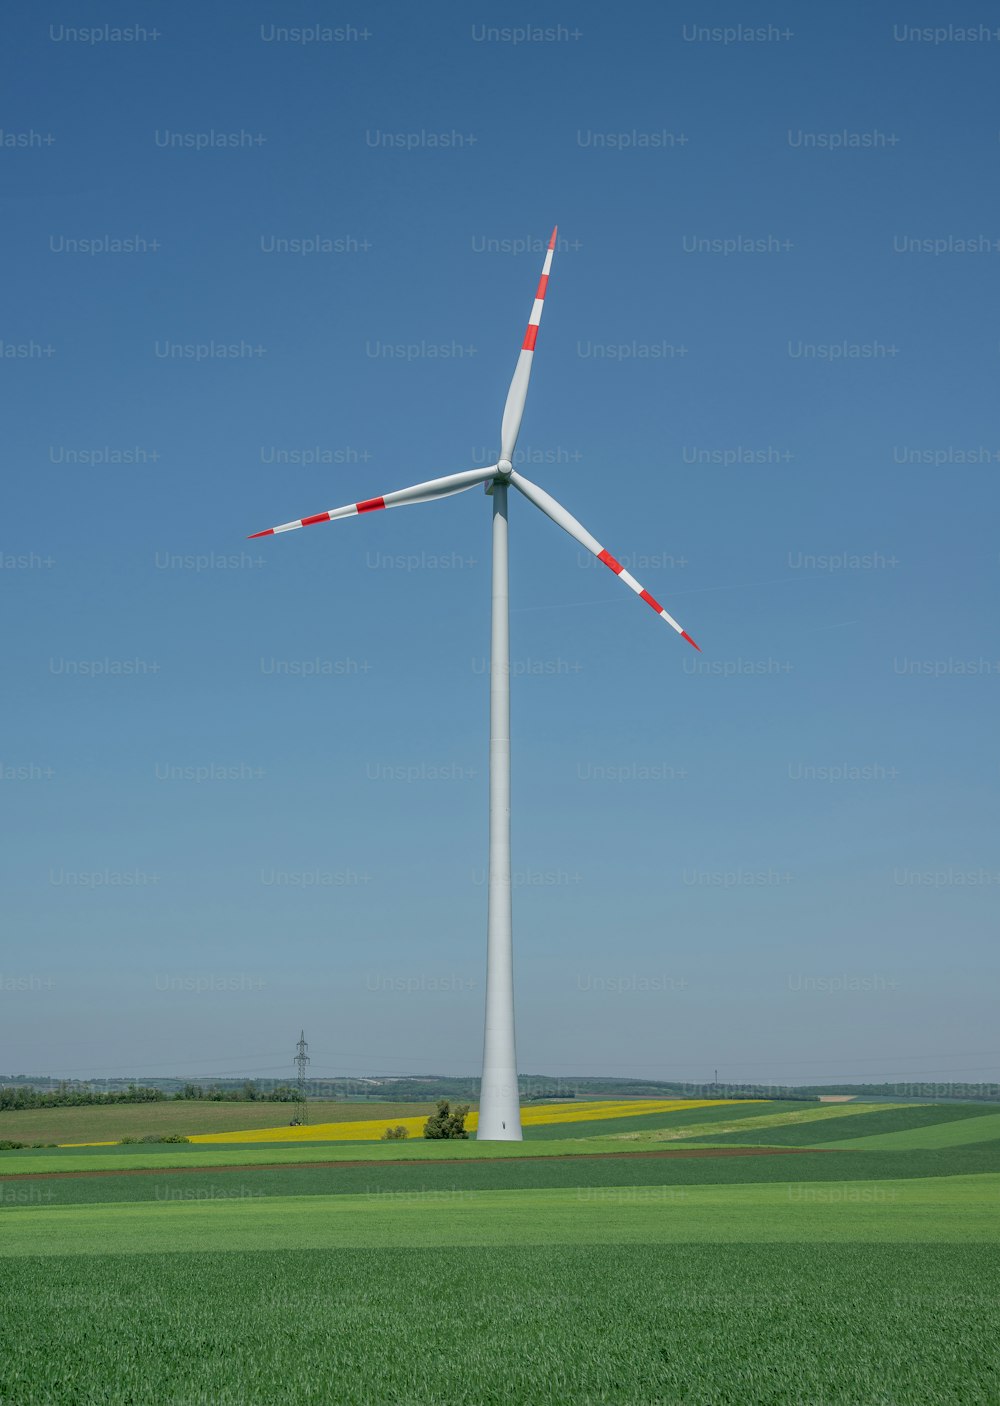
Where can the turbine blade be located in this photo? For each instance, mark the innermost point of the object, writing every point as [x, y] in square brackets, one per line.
[569, 524]
[419, 493]
[518, 393]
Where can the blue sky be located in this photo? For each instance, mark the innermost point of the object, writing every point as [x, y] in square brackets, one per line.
[244, 782]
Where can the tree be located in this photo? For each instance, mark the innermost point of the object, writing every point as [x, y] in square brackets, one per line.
[396, 1134]
[445, 1123]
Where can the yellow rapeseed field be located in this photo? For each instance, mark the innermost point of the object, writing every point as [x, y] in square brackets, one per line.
[534, 1115]
[603, 1108]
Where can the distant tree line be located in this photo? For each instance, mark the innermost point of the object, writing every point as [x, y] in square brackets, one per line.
[20, 1096]
[24, 1096]
[248, 1092]
[978, 1093]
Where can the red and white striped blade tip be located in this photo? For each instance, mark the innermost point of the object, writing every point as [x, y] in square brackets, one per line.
[302, 522]
[552, 241]
[686, 636]
[368, 506]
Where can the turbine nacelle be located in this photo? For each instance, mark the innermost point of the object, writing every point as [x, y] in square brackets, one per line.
[502, 474]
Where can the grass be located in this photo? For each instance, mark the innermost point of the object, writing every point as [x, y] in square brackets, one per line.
[880, 1119]
[109, 1122]
[957, 1133]
[959, 1209]
[763, 1325]
[661, 1177]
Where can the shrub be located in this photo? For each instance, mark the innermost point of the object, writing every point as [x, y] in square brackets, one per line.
[155, 1137]
[445, 1123]
[396, 1134]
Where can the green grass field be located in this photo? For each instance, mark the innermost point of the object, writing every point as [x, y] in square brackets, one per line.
[569, 1325]
[468, 1274]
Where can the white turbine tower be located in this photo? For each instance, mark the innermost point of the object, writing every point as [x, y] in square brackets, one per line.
[499, 1105]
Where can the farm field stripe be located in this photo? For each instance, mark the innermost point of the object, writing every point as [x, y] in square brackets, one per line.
[654, 1125]
[656, 1177]
[92, 1123]
[557, 1144]
[809, 1114]
[960, 1133]
[674, 1152]
[878, 1120]
[607, 1108]
[925, 1210]
[185, 1155]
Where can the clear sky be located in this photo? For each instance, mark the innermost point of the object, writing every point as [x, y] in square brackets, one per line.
[245, 782]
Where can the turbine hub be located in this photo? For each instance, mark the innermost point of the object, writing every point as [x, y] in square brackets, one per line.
[505, 468]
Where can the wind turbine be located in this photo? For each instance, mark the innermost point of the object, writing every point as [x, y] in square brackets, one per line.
[499, 1105]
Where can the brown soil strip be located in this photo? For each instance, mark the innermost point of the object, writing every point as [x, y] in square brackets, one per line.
[416, 1162]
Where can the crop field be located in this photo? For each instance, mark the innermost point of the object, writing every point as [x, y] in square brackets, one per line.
[108, 1123]
[704, 1324]
[542, 1120]
[983, 1127]
[959, 1209]
[659, 1176]
[639, 1123]
[328, 1121]
[658, 1268]
[754, 1120]
[864, 1121]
